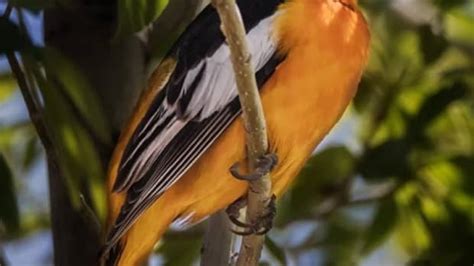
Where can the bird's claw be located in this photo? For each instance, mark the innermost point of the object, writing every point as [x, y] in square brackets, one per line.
[265, 165]
[261, 225]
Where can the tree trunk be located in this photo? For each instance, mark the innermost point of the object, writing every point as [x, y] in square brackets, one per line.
[115, 70]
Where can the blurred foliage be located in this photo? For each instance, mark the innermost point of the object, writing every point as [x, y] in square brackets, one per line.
[134, 15]
[407, 186]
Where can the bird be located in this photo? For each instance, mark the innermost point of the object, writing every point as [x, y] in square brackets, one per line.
[171, 162]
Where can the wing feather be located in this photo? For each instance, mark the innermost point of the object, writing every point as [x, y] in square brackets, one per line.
[196, 105]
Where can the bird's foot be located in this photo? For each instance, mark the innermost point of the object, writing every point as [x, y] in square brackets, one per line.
[265, 165]
[260, 227]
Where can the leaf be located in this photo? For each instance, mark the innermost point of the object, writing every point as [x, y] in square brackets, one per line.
[432, 46]
[12, 39]
[341, 241]
[79, 161]
[447, 4]
[466, 166]
[134, 15]
[7, 86]
[9, 214]
[382, 225]
[180, 249]
[434, 106]
[412, 232]
[31, 152]
[277, 252]
[331, 165]
[78, 90]
[324, 174]
[388, 159]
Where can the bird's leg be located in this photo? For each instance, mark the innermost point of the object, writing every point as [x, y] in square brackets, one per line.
[264, 165]
[261, 226]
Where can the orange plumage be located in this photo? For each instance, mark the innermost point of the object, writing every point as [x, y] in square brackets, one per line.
[326, 44]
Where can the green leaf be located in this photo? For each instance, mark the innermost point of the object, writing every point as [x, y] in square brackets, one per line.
[412, 232]
[134, 15]
[7, 86]
[341, 242]
[277, 252]
[382, 225]
[324, 174]
[180, 249]
[330, 165]
[79, 160]
[78, 90]
[31, 152]
[9, 215]
[434, 106]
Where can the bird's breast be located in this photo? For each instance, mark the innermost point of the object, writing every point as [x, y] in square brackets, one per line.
[326, 46]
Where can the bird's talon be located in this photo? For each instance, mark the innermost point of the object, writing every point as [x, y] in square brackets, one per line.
[233, 212]
[260, 227]
[265, 165]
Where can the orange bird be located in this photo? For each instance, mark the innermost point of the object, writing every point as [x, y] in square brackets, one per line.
[172, 160]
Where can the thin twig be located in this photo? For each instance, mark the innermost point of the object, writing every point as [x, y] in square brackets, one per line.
[34, 110]
[259, 192]
[383, 192]
[8, 11]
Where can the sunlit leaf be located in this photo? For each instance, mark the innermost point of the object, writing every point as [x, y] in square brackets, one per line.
[9, 215]
[459, 24]
[79, 160]
[7, 86]
[412, 232]
[382, 225]
[435, 105]
[134, 15]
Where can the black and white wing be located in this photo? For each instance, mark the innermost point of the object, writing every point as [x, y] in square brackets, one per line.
[198, 102]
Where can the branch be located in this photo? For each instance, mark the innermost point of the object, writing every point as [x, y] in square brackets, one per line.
[381, 192]
[217, 241]
[34, 109]
[259, 192]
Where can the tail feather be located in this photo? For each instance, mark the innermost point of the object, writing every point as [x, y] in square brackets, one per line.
[135, 245]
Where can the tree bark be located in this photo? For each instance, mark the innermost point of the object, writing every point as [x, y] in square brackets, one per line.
[115, 69]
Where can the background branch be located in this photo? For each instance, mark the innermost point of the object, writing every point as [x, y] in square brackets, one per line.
[259, 191]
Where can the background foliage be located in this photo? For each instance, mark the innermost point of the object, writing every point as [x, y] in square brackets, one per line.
[394, 185]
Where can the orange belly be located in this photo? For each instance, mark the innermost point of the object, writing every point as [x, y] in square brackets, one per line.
[302, 101]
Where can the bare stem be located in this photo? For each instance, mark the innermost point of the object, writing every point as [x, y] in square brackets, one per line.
[259, 192]
[34, 110]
